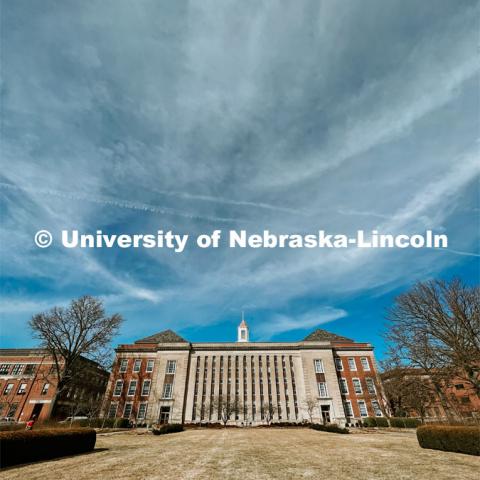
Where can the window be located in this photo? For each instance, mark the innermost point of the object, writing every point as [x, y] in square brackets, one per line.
[243, 334]
[142, 411]
[29, 369]
[112, 411]
[171, 366]
[132, 388]
[150, 364]
[348, 408]
[8, 388]
[344, 386]
[370, 386]
[118, 388]
[365, 364]
[338, 364]
[322, 389]
[17, 369]
[318, 366]
[45, 388]
[363, 408]
[4, 369]
[123, 365]
[167, 390]
[351, 364]
[22, 389]
[127, 411]
[12, 410]
[146, 387]
[357, 386]
[137, 365]
[377, 409]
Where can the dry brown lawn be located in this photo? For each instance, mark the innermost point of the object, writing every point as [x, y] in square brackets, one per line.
[249, 454]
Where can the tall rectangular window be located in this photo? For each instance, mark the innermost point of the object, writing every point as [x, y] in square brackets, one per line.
[45, 388]
[142, 411]
[123, 365]
[357, 386]
[363, 408]
[112, 410]
[127, 411]
[132, 388]
[319, 366]
[146, 387]
[351, 364]
[171, 366]
[376, 408]
[338, 364]
[370, 386]
[12, 410]
[150, 364]
[344, 386]
[22, 389]
[167, 390]
[365, 363]
[137, 365]
[322, 389]
[348, 408]
[8, 388]
[118, 388]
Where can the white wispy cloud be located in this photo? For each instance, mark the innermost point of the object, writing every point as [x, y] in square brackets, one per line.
[309, 320]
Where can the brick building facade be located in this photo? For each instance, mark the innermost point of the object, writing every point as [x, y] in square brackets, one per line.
[459, 399]
[28, 385]
[164, 378]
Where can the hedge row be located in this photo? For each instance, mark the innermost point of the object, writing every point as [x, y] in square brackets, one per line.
[397, 422]
[330, 427]
[168, 428]
[103, 423]
[32, 446]
[450, 438]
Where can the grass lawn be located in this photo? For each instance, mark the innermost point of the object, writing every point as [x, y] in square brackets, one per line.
[249, 454]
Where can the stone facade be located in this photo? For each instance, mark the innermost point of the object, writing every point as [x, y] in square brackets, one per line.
[324, 378]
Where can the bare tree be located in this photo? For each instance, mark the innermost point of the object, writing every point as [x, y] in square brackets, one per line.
[226, 408]
[68, 334]
[269, 410]
[436, 327]
[310, 405]
[408, 391]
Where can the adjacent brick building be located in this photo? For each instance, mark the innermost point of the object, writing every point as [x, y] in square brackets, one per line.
[28, 384]
[460, 401]
[165, 378]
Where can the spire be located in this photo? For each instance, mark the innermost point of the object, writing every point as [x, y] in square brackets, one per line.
[243, 323]
[242, 330]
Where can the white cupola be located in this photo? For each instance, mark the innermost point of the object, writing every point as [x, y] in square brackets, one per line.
[242, 331]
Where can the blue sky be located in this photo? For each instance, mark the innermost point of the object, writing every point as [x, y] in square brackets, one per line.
[290, 116]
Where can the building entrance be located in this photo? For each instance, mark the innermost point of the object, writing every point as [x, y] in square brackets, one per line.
[164, 415]
[36, 410]
[326, 413]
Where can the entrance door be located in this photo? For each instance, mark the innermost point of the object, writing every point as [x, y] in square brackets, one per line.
[326, 413]
[164, 414]
[37, 408]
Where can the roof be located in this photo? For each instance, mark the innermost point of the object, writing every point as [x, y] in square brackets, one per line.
[320, 335]
[23, 352]
[242, 324]
[167, 336]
